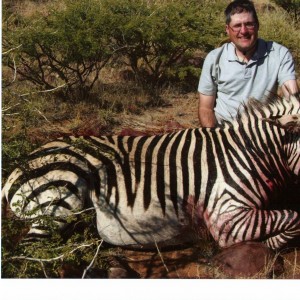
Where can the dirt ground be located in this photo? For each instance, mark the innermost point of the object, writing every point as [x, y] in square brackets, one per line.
[190, 264]
[178, 112]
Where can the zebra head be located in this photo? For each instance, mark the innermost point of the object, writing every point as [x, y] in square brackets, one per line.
[283, 113]
[270, 109]
[291, 124]
[287, 116]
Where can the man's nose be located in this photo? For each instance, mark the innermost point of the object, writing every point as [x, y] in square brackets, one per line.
[244, 28]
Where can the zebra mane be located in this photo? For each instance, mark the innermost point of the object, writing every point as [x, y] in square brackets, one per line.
[271, 107]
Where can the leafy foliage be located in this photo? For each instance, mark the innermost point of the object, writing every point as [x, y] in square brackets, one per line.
[76, 39]
[153, 36]
[68, 46]
[156, 37]
[47, 258]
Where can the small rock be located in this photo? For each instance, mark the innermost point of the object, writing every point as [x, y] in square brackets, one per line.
[117, 273]
[249, 259]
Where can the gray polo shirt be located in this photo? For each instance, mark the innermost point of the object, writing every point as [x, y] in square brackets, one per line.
[234, 82]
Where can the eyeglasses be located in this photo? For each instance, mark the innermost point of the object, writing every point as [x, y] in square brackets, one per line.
[237, 27]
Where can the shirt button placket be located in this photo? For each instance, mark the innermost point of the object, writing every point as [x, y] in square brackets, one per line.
[247, 72]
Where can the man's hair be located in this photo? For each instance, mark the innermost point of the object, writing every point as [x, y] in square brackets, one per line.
[239, 6]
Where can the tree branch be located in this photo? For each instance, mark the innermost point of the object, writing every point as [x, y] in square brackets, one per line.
[53, 258]
[12, 49]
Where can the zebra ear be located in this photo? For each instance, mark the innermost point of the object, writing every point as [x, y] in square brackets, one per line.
[288, 122]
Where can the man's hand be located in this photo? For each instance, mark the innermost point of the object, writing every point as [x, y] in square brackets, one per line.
[289, 88]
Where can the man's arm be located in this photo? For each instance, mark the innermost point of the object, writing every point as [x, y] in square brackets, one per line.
[289, 88]
[206, 112]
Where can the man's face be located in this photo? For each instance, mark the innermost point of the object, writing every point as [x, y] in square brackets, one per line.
[242, 31]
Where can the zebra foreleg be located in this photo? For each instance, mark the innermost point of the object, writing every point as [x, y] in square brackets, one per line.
[281, 226]
[274, 227]
[280, 240]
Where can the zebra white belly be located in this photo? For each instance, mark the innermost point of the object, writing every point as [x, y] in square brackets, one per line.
[136, 227]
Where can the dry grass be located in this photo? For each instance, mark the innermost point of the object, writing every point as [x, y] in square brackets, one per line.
[28, 8]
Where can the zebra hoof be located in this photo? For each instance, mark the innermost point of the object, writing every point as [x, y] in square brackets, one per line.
[249, 260]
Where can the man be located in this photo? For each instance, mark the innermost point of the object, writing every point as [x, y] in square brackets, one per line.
[243, 68]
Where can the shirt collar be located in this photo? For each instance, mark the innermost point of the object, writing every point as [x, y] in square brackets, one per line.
[262, 50]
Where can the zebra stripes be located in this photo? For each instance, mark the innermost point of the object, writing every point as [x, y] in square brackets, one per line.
[147, 190]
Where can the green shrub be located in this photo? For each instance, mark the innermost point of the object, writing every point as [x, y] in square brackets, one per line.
[278, 26]
[154, 36]
[45, 258]
[72, 43]
[68, 46]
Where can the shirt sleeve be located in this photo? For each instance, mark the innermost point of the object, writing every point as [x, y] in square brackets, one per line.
[207, 83]
[287, 68]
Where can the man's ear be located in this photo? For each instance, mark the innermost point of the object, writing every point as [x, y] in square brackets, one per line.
[227, 29]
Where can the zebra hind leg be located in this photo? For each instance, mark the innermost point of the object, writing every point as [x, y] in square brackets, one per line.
[49, 209]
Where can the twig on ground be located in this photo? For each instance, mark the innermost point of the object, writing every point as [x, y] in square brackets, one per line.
[295, 263]
[53, 258]
[160, 255]
[8, 108]
[83, 211]
[93, 260]
[45, 91]
[42, 115]
[44, 270]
